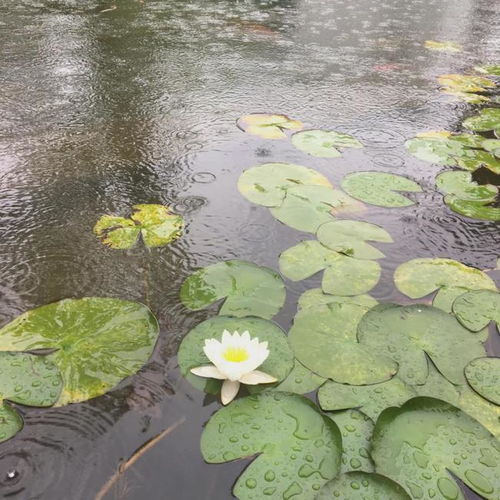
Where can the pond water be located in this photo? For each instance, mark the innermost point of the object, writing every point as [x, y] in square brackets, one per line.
[105, 105]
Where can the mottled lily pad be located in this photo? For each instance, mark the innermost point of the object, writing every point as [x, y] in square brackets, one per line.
[443, 46]
[267, 184]
[98, 341]
[490, 69]
[487, 119]
[324, 143]
[466, 83]
[268, 126]
[315, 297]
[250, 290]
[298, 449]
[461, 185]
[477, 308]
[379, 188]
[155, 223]
[474, 209]
[423, 443]
[483, 376]
[300, 380]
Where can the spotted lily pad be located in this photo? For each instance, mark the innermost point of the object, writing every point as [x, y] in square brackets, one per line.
[300, 380]
[483, 376]
[477, 308]
[487, 119]
[443, 46]
[423, 443]
[379, 188]
[462, 186]
[466, 83]
[250, 290]
[98, 341]
[474, 209]
[324, 143]
[267, 184]
[268, 126]
[155, 223]
[28, 380]
[298, 449]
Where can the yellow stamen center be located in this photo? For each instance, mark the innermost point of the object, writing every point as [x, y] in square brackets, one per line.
[235, 354]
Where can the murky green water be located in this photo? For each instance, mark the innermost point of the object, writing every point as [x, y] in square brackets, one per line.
[105, 107]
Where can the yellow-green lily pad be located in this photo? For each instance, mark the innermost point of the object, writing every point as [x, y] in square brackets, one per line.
[300, 380]
[268, 126]
[487, 119]
[483, 376]
[477, 308]
[324, 143]
[443, 46]
[461, 185]
[474, 209]
[466, 83]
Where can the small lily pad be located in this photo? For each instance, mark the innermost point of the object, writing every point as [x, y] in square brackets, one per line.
[300, 380]
[11, 422]
[473, 209]
[483, 376]
[315, 297]
[443, 46]
[461, 185]
[250, 290]
[487, 119]
[466, 83]
[490, 69]
[267, 184]
[298, 450]
[379, 188]
[268, 126]
[468, 97]
[324, 143]
[477, 308]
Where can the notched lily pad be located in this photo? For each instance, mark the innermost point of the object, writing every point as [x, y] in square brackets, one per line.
[443, 46]
[477, 308]
[250, 290]
[324, 143]
[379, 188]
[300, 380]
[490, 69]
[483, 376]
[466, 83]
[298, 449]
[482, 210]
[487, 119]
[462, 186]
[268, 126]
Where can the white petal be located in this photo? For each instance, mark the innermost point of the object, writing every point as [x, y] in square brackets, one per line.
[257, 377]
[208, 371]
[226, 336]
[213, 350]
[246, 336]
[229, 390]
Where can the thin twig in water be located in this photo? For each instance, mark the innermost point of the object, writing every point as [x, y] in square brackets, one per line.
[113, 7]
[135, 456]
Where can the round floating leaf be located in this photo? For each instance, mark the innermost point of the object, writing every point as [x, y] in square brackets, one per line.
[117, 232]
[305, 208]
[98, 341]
[315, 297]
[267, 184]
[483, 376]
[466, 96]
[10, 422]
[268, 126]
[362, 486]
[487, 119]
[298, 449]
[349, 237]
[473, 209]
[492, 69]
[426, 440]
[300, 380]
[379, 188]
[278, 364]
[443, 46]
[477, 308]
[486, 413]
[493, 146]
[250, 290]
[324, 143]
[472, 159]
[461, 185]
[466, 83]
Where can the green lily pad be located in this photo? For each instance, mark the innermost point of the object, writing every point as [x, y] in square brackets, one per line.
[461, 185]
[472, 159]
[324, 340]
[155, 223]
[300, 380]
[486, 413]
[466, 83]
[468, 97]
[487, 119]
[25, 379]
[379, 188]
[408, 333]
[324, 143]
[250, 290]
[362, 486]
[493, 146]
[483, 376]
[491, 69]
[474, 209]
[315, 297]
[349, 237]
[298, 450]
[356, 429]
[98, 341]
[426, 440]
[190, 355]
[443, 46]
[267, 184]
[305, 208]
[477, 308]
[446, 296]
[268, 126]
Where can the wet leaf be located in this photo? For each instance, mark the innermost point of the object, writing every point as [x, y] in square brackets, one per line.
[493, 146]
[408, 333]
[473, 209]
[279, 362]
[349, 237]
[315, 297]
[466, 83]
[379, 188]
[324, 143]
[11, 422]
[468, 97]
[250, 290]
[443, 46]
[477, 308]
[99, 341]
[487, 119]
[266, 184]
[426, 440]
[461, 185]
[298, 449]
[492, 69]
[268, 126]
[300, 380]
[483, 376]
[486, 413]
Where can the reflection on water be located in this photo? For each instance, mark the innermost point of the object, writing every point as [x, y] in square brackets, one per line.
[105, 107]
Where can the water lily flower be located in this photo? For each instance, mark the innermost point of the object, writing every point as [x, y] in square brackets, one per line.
[235, 359]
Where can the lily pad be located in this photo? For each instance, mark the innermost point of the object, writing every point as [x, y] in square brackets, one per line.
[267, 184]
[423, 443]
[349, 237]
[486, 413]
[487, 119]
[190, 355]
[408, 333]
[443, 46]
[250, 290]
[305, 208]
[98, 341]
[466, 83]
[461, 185]
[26, 379]
[473, 209]
[300, 380]
[268, 126]
[155, 223]
[483, 376]
[468, 97]
[362, 486]
[324, 143]
[491, 69]
[477, 308]
[298, 450]
[315, 297]
[379, 188]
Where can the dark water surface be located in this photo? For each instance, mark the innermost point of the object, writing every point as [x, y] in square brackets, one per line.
[101, 109]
